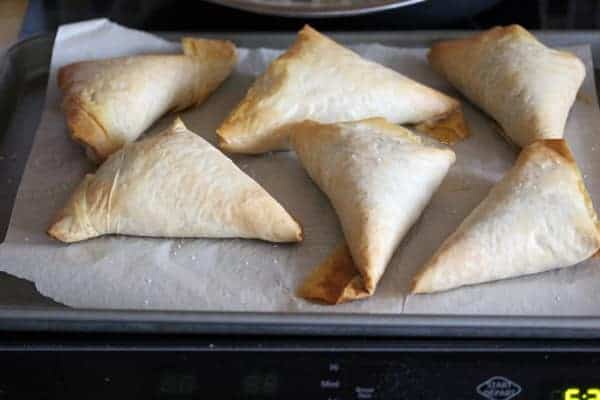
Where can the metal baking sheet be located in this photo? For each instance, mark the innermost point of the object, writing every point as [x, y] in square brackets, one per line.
[23, 77]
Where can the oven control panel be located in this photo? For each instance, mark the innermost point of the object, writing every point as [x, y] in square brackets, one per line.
[214, 371]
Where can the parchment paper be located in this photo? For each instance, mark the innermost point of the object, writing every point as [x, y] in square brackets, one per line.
[202, 274]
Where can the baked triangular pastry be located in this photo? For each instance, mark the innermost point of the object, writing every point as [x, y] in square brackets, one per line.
[379, 177]
[174, 184]
[537, 218]
[525, 86]
[111, 102]
[320, 80]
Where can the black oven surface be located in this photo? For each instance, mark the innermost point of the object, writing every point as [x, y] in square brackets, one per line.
[294, 368]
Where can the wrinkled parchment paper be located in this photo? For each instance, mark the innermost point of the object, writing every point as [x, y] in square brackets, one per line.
[203, 274]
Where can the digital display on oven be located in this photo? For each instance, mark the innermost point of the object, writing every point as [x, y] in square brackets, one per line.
[178, 384]
[185, 384]
[262, 384]
[577, 392]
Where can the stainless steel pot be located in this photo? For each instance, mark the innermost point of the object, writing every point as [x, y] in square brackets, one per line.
[315, 8]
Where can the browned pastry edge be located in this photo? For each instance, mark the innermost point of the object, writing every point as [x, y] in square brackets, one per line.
[448, 129]
[336, 280]
[87, 131]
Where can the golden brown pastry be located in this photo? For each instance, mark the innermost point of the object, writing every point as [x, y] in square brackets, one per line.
[379, 177]
[525, 86]
[336, 280]
[174, 184]
[111, 102]
[320, 80]
[537, 218]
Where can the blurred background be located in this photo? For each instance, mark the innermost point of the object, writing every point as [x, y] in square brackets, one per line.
[179, 15]
[22, 18]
